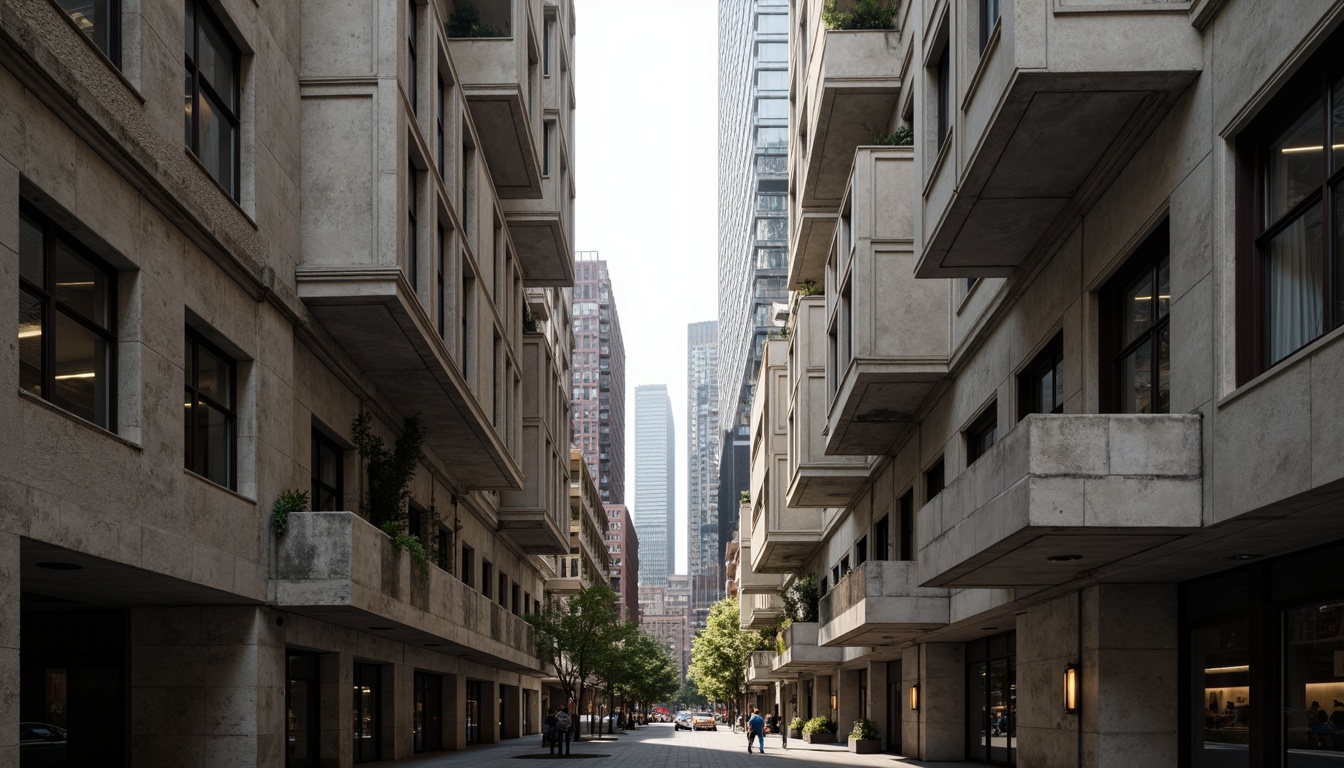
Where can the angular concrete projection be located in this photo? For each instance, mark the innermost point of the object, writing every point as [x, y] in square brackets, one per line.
[815, 479]
[337, 567]
[888, 331]
[802, 653]
[1062, 494]
[880, 603]
[1063, 96]
[760, 669]
[537, 516]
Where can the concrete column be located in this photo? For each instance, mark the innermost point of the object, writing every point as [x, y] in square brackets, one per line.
[1047, 639]
[877, 699]
[337, 671]
[490, 712]
[1129, 679]
[397, 728]
[454, 707]
[513, 712]
[847, 702]
[9, 649]
[941, 674]
[821, 697]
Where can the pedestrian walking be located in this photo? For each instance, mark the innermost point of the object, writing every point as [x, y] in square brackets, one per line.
[756, 730]
[783, 729]
[548, 730]
[564, 729]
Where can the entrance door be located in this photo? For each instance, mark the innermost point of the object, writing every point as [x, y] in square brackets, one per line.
[302, 727]
[474, 711]
[368, 690]
[427, 720]
[894, 702]
[991, 699]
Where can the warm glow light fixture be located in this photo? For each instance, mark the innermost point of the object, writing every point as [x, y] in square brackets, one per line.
[914, 697]
[1070, 689]
[832, 701]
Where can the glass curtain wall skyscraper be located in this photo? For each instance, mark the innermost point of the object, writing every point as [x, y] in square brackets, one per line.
[702, 462]
[753, 220]
[655, 484]
[599, 377]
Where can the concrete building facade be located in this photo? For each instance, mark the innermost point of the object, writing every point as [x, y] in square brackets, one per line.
[623, 559]
[655, 483]
[363, 215]
[753, 220]
[1056, 441]
[702, 460]
[599, 377]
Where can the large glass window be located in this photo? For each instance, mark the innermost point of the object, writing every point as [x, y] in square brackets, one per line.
[427, 715]
[210, 411]
[773, 228]
[772, 79]
[772, 163]
[991, 699]
[328, 480]
[212, 96]
[772, 258]
[772, 109]
[1138, 305]
[100, 21]
[772, 53]
[1220, 664]
[942, 70]
[1298, 283]
[1313, 684]
[303, 728]
[772, 24]
[67, 347]
[412, 62]
[989, 16]
[772, 137]
[367, 710]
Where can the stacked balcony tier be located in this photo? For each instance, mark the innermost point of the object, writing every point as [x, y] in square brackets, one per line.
[880, 603]
[1060, 495]
[803, 653]
[537, 516]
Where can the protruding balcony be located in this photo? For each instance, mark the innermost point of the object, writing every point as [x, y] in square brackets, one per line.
[815, 479]
[759, 601]
[1063, 494]
[537, 516]
[337, 567]
[377, 320]
[880, 603]
[760, 668]
[783, 538]
[888, 331]
[498, 65]
[541, 227]
[1064, 94]
[802, 653]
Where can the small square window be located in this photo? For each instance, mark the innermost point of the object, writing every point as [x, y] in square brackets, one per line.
[100, 21]
[982, 433]
[1040, 386]
[933, 481]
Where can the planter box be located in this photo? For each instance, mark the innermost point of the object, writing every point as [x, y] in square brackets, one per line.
[819, 738]
[865, 746]
[795, 734]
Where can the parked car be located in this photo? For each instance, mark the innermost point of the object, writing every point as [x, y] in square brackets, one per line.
[704, 721]
[41, 745]
[682, 722]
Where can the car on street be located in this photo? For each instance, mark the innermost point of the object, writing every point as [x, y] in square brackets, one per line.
[704, 721]
[682, 722]
[41, 745]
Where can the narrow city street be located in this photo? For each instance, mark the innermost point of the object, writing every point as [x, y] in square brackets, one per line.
[659, 746]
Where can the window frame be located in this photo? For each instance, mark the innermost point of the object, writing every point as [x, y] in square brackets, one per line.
[1155, 249]
[1253, 232]
[321, 440]
[53, 234]
[113, 51]
[937, 471]
[195, 340]
[986, 425]
[987, 23]
[202, 8]
[1050, 358]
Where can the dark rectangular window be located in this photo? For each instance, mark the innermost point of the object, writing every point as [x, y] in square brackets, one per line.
[100, 21]
[515, 602]
[328, 474]
[412, 64]
[546, 46]
[943, 75]
[548, 128]
[1136, 335]
[412, 227]
[907, 523]
[861, 551]
[211, 408]
[1040, 386]
[989, 16]
[442, 550]
[487, 577]
[933, 481]
[212, 87]
[441, 130]
[440, 304]
[468, 569]
[982, 433]
[427, 713]
[503, 594]
[1291, 239]
[67, 316]
[882, 538]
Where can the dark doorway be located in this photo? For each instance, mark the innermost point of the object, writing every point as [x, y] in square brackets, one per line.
[303, 690]
[474, 711]
[368, 723]
[427, 721]
[894, 702]
[991, 699]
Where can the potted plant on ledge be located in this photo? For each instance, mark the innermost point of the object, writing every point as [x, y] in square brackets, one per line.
[796, 728]
[819, 730]
[863, 739]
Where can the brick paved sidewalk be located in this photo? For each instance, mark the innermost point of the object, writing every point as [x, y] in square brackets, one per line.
[658, 746]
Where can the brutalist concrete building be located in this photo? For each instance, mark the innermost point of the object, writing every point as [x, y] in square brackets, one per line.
[363, 210]
[1059, 438]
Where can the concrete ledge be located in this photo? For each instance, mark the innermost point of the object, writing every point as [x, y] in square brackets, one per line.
[880, 602]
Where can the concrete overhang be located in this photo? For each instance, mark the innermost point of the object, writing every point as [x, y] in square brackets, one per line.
[537, 516]
[542, 244]
[1061, 495]
[812, 237]
[880, 603]
[876, 401]
[802, 653]
[760, 669]
[337, 567]
[378, 321]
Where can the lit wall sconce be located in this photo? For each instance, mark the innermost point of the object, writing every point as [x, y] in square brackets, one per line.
[1070, 689]
[914, 697]
[832, 701]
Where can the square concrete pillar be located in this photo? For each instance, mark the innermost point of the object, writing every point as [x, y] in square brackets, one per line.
[848, 706]
[941, 674]
[1129, 675]
[397, 727]
[512, 724]
[9, 649]
[821, 697]
[532, 717]
[337, 672]
[1047, 639]
[876, 699]
[454, 708]
[490, 712]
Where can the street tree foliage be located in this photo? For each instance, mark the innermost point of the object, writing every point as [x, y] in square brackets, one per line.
[720, 654]
[579, 636]
[689, 694]
[641, 671]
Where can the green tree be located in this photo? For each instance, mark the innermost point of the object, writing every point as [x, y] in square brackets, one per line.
[642, 671]
[689, 694]
[578, 637]
[720, 654]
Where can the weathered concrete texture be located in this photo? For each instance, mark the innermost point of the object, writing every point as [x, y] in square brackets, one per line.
[9, 644]
[878, 600]
[941, 675]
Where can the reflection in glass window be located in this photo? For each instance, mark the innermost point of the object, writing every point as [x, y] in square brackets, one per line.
[212, 102]
[1220, 662]
[772, 258]
[1313, 693]
[772, 137]
[768, 53]
[210, 406]
[772, 24]
[772, 229]
[772, 109]
[100, 21]
[772, 80]
[771, 163]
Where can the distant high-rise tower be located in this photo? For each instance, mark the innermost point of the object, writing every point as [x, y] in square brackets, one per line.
[599, 377]
[753, 222]
[702, 462]
[655, 483]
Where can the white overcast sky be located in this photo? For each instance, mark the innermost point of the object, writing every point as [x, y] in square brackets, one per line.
[646, 170]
